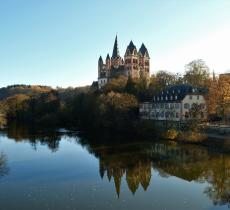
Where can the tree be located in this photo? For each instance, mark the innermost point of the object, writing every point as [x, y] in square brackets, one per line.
[197, 73]
[213, 97]
[130, 86]
[224, 91]
[117, 85]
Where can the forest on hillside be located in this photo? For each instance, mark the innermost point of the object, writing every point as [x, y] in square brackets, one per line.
[114, 107]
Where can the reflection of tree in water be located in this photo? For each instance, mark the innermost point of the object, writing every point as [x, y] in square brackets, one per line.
[134, 161]
[35, 136]
[191, 163]
[219, 179]
[3, 167]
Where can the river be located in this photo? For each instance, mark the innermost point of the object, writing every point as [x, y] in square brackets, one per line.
[63, 170]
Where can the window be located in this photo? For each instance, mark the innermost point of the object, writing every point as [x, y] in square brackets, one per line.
[172, 106]
[158, 114]
[190, 97]
[162, 105]
[177, 115]
[186, 106]
[162, 114]
[172, 115]
[166, 114]
[166, 106]
[171, 97]
[177, 106]
[153, 114]
[175, 97]
[198, 97]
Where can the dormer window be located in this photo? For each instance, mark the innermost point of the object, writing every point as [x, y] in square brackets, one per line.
[166, 98]
[175, 97]
[171, 97]
[162, 98]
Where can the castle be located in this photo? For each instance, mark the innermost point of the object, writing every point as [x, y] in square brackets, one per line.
[135, 64]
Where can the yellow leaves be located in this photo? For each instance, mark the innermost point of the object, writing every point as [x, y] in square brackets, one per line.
[122, 101]
[171, 134]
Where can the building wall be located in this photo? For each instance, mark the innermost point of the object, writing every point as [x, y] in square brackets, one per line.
[102, 82]
[172, 111]
[131, 63]
[160, 111]
[144, 66]
[188, 102]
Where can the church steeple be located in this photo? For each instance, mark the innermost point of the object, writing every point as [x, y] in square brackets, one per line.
[115, 49]
[213, 76]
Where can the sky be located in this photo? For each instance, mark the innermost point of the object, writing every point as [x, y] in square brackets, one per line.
[58, 42]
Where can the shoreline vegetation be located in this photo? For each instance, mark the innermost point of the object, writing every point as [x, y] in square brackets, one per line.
[114, 108]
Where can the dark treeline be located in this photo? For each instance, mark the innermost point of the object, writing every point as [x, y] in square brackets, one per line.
[85, 108]
[113, 108]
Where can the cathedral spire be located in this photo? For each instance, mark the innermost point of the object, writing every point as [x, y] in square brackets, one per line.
[213, 76]
[115, 49]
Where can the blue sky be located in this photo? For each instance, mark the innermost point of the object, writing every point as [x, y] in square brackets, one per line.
[58, 42]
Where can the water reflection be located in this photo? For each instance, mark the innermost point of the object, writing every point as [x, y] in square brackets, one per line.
[35, 136]
[3, 166]
[137, 161]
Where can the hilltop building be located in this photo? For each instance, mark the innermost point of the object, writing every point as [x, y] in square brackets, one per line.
[135, 64]
[175, 103]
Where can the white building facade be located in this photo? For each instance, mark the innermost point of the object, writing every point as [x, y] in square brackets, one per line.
[175, 103]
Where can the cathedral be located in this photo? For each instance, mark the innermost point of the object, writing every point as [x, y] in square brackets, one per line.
[135, 64]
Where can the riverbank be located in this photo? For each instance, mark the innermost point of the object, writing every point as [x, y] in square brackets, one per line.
[214, 141]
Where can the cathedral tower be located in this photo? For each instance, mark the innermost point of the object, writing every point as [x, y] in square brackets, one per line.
[108, 62]
[100, 66]
[144, 63]
[131, 60]
[116, 58]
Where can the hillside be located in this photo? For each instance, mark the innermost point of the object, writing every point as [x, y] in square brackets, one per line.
[12, 90]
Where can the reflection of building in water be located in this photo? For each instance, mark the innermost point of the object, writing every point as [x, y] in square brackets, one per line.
[134, 163]
[191, 163]
[137, 172]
